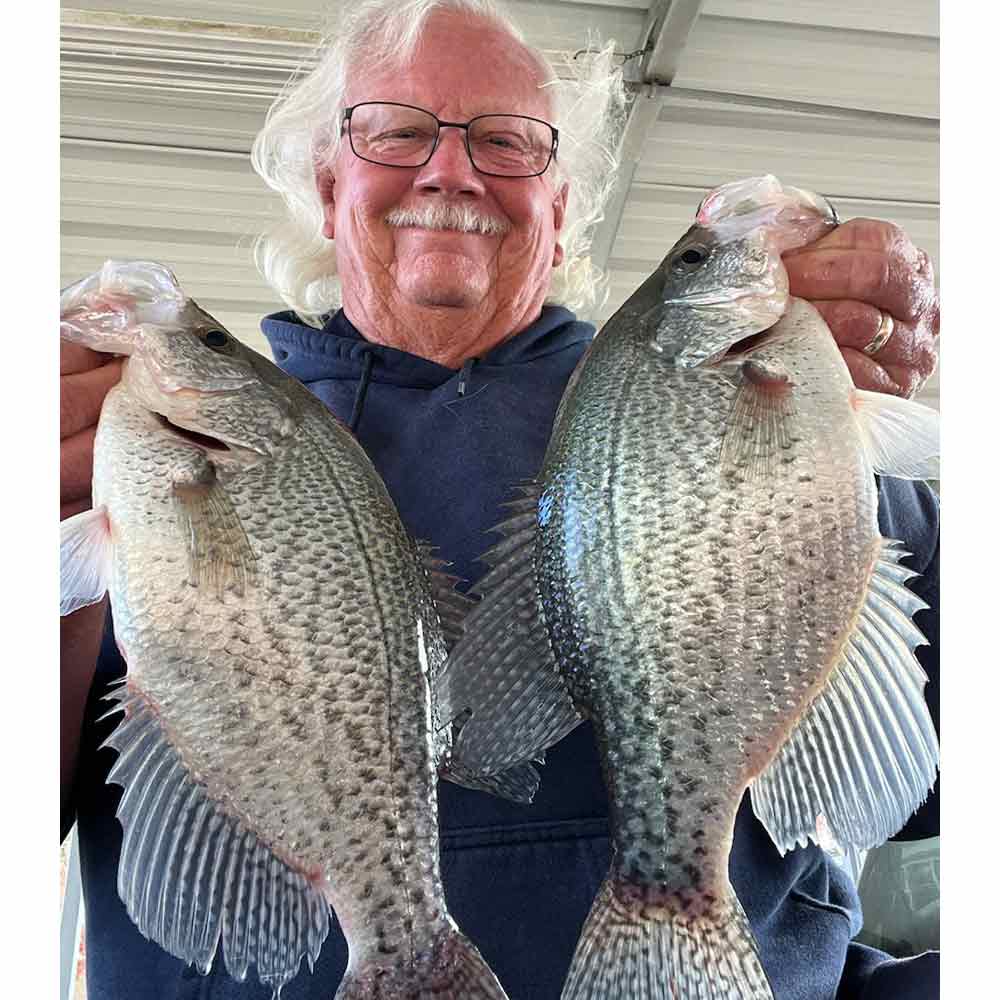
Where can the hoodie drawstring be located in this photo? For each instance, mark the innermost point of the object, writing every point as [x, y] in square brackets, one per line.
[464, 374]
[359, 397]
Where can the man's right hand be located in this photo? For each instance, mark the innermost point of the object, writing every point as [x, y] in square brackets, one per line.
[85, 378]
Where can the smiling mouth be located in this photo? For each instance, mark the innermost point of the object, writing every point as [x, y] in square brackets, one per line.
[205, 441]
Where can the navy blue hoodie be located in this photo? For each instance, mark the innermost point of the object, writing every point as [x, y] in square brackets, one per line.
[519, 879]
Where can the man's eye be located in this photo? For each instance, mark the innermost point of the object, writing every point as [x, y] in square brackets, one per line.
[503, 141]
[399, 135]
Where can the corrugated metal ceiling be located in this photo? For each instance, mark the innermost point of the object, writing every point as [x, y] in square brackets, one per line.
[161, 99]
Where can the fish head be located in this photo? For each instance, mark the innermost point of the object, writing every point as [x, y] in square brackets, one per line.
[723, 280]
[182, 365]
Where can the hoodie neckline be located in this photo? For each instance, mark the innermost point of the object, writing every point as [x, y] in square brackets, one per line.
[338, 349]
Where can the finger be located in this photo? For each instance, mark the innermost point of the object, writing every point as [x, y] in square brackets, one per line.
[81, 396]
[875, 235]
[855, 324]
[76, 466]
[77, 358]
[888, 282]
[867, 373]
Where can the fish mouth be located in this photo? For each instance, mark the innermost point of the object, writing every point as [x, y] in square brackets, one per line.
[205, 441]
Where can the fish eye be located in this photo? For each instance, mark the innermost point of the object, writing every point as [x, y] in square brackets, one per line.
[216, 338]
[692, 256]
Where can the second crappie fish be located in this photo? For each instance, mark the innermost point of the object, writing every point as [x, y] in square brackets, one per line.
[699, 571]
[276, 750]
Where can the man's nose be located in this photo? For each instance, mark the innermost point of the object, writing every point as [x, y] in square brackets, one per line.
[449, 170]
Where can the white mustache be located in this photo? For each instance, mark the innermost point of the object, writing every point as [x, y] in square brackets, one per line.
[445, 215]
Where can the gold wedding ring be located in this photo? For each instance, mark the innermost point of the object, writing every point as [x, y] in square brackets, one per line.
[882, 335]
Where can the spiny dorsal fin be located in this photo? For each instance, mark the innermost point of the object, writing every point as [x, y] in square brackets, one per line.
[503, 671]
[452, 605]
[865, 754]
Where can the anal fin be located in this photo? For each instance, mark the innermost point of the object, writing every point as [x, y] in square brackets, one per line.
[865, 754]
[192, 875]
[518, 783]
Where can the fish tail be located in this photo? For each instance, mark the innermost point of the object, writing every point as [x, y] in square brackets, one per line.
[630, 947]
[452, 970]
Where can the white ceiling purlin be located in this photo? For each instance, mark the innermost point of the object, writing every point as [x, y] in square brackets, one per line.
[667, 28]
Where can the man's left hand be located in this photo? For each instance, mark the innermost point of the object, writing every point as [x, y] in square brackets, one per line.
[853, 275]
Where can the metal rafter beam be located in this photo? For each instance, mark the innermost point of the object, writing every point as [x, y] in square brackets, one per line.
[664, 36]
[668, 25]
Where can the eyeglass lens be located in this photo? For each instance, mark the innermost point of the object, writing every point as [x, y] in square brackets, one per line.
[399, 136]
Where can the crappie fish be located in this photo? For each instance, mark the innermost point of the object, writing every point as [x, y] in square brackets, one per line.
[699, 571]
[280, 631]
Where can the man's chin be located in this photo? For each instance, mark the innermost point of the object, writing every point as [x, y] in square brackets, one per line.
[439, 298]
[445, 290]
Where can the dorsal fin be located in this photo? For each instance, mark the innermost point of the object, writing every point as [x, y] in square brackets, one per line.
[901, 437]
[452, 605]
[503, 672]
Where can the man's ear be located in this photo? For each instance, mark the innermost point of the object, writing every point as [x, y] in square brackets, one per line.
[558, 214]
[324, 185]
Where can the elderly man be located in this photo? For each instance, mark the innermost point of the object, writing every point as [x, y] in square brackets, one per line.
[449, 365]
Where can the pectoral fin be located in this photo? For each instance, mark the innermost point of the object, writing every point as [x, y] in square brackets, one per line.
[759, 431]
[902, 438]
[219, 552]
[84, 559]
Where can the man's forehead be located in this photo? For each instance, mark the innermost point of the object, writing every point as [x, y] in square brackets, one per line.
[461, 68]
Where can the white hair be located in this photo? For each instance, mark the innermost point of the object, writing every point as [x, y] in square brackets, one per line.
[302, 131]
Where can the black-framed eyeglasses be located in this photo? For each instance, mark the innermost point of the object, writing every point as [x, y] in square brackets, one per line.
[400, 135]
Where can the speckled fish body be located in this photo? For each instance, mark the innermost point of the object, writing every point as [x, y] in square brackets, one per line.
[690, 611]
[279, 630]
[704, 579]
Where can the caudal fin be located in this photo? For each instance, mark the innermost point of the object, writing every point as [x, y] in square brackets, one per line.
[631, 949]
[452, 970]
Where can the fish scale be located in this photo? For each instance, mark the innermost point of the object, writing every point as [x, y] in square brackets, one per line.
[278, 752]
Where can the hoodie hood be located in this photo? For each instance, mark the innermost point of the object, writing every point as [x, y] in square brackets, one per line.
[338, 350]
[450, 445]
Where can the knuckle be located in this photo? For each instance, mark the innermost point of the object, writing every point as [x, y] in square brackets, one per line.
[927, 359]
[932, 317]
[896, 234]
